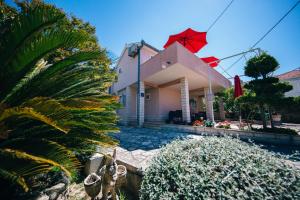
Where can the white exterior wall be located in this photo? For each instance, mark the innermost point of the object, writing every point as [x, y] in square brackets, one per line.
[152, 104]
[295, 92]
[123, 110]
[127, 78]
[169, 100]
[128, 66]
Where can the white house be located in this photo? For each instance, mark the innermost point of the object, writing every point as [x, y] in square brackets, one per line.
[173, 79]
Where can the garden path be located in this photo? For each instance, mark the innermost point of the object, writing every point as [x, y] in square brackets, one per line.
[139, 145]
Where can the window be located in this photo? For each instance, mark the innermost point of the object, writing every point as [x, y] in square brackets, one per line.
[148, 96]
[123, 100]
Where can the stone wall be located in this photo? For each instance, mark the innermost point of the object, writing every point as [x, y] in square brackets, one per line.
[260, 137]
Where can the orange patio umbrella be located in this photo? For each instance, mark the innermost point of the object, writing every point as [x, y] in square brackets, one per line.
[190, 39]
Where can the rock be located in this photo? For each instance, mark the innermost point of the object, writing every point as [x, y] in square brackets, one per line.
[53, 195]
[77, 191]
[65, 179]
[42, 197]
[61, 197]
[93, 164]
[55, 190]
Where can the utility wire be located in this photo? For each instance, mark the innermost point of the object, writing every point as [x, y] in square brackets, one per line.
[216, 20]
[269, 31]
[224, 70]
[220, 16]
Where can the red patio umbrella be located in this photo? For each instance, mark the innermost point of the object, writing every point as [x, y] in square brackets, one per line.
[212, 61]
[190, 39]
[237, 87]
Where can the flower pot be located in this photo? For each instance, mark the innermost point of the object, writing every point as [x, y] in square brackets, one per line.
[92, 185]
[276, 118]
[121, 171]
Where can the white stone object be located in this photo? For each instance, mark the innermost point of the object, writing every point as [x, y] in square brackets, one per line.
[93, 164]
[55, 190]
[42, 197]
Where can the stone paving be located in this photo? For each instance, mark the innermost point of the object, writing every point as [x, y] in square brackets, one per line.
[132, 138]
[139, 145]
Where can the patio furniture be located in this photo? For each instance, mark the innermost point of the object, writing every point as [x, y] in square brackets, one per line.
[175, 117]
[198, 115]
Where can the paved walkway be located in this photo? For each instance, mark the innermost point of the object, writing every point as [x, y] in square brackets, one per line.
[139, 145]
[132, 138]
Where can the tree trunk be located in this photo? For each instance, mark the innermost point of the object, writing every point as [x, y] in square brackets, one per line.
[262, 115]
[249, 123]
[240, 117]
[271, 118]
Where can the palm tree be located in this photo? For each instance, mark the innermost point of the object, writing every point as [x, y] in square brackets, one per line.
[49, 110]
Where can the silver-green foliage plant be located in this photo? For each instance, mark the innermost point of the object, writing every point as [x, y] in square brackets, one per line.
[219, 168]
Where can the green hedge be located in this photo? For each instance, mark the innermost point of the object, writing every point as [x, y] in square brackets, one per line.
[218, 168]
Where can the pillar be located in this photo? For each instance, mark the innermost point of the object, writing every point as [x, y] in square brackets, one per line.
[185, 104]
[221, 109]
[209, 100]
[141, 104]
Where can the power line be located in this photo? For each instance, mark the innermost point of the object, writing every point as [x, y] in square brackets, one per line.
[219, 16]
[216, 20]
[269, 31]
[234, 55]
[286, 14]
[224, 70]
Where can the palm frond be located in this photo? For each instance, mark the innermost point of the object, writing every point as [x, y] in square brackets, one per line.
[84, 139]
[24, 61]
[30, 113]
[12, 177]
[45, 148]
[40, 77]
[24, 27]
[23, 165]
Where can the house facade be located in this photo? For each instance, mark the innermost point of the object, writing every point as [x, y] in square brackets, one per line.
[173, 79]
[293, 78]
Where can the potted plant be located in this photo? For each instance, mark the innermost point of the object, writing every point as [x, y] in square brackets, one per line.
[92, 185]
[208, 123]
[276, 118]
[121, 171]
[198, 123]
[225, 124]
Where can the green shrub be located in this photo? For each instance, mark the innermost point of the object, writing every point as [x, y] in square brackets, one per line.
[219, 168]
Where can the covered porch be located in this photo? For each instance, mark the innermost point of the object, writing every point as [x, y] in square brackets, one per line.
[176, 79]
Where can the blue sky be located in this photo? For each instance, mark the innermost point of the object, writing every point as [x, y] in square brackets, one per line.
[118, 22]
